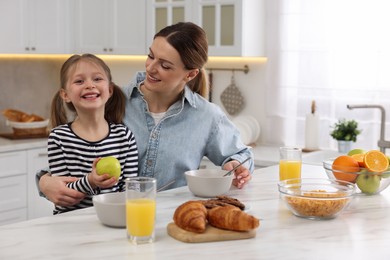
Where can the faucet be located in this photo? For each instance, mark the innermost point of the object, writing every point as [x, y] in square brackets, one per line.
[382, 144]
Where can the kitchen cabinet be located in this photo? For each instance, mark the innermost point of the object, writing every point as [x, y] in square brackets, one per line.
[162, 13]
[37, 206]
[110, 26]
[19, 198]
[233, 27]
[38, 26]
[13, 187]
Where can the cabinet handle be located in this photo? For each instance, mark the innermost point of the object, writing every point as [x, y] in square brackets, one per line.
[33, 48]
[42, 154]
[27, 48]
[111, 49]
[104, 49]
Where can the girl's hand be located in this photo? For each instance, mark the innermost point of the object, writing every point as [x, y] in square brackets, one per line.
[241, 175]
[101, 181]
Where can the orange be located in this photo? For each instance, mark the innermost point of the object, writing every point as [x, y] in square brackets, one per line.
[345, 168]
[359, 158]
[375, 161]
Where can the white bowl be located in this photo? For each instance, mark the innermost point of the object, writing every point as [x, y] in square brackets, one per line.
[208, 182]
[111, 208]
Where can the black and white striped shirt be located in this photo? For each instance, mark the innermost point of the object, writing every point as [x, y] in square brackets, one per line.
[70, 155]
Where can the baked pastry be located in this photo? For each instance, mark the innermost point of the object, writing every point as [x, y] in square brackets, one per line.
[191, 216]
[223, 201]
[19, 116]
[231, 218]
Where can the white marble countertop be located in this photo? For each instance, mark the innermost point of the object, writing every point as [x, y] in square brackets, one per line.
[360, 232]
[8, 145]
[267, 155]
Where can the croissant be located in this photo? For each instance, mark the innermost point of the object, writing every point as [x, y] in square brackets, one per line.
[231, 218]
[20, 116]
[191, 216]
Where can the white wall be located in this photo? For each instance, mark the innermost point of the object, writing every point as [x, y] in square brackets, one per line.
[28, 84]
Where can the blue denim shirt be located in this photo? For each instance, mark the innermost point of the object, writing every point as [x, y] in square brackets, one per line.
[191, 128]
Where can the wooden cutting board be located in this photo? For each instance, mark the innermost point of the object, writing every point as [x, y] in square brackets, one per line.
[211, 234]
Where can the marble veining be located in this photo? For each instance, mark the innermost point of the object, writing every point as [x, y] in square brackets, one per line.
[360, 232]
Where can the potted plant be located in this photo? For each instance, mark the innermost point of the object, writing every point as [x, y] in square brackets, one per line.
[345, 132]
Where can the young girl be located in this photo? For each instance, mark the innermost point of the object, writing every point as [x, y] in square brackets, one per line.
[75, 147]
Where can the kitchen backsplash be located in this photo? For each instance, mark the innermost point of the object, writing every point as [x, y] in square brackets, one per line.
[29, 83]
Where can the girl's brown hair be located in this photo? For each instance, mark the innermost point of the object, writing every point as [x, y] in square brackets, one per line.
[190, 41]
[114, 108]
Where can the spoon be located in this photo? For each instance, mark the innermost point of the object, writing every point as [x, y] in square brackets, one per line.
[232, 170]
[166, 185]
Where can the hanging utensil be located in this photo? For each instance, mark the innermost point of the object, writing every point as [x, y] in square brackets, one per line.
[232, 99]
[162, 188]
[232, 170]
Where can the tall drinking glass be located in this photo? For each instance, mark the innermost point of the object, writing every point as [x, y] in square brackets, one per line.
[140, 209]
[290, 163]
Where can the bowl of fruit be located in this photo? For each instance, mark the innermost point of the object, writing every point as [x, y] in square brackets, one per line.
[368, 170]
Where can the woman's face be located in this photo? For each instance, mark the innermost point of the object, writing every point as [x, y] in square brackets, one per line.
[165, 72]
[87, 87]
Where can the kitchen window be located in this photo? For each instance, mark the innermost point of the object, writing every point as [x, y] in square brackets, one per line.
[336, 52]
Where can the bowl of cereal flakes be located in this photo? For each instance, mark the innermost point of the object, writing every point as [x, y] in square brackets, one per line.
[316, 198]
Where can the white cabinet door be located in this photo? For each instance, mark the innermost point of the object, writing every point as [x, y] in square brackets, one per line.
[13, 187]
[161, 13]
[37, 205]
[12, 26]
[233, 27]
[47, 26]
[37, 26]
[110, 26]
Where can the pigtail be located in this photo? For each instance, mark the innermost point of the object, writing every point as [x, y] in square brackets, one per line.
[115, 106]
[58, 112]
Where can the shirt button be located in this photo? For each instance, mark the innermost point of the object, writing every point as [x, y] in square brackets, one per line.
[154, 135]
[149, 162]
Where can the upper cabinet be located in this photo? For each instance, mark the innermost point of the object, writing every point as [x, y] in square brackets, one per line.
[162, 13]
[110, 26]
[38, 26]
[233, 27]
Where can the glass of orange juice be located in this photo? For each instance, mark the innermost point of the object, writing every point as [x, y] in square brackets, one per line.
[140, 209]
[290, 163]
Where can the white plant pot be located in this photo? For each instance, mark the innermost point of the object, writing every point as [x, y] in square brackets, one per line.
[344, 146]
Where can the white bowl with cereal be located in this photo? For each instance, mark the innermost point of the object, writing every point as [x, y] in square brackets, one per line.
[316, 198]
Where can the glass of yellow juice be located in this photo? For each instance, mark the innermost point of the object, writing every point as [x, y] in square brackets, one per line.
[290, 163]
[140, 209]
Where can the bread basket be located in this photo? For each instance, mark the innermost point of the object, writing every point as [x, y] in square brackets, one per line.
[28, 129]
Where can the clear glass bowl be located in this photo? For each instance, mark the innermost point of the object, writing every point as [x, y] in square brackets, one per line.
[367, 182]
[314, 198]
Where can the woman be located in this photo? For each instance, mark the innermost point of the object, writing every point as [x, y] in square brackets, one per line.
[173, 124]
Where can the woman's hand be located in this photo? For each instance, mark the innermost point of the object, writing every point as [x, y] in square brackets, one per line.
[56, 191]
[241, 175]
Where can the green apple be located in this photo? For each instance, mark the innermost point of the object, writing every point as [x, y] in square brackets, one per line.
[368, 183]
[356, 151]
[109, 165]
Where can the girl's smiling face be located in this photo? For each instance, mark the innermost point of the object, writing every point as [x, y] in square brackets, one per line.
[87, 86]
